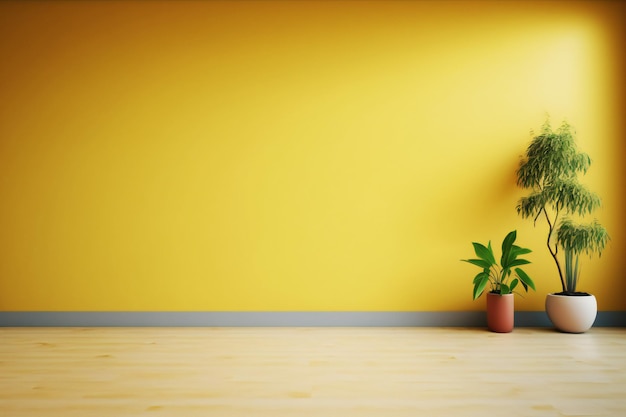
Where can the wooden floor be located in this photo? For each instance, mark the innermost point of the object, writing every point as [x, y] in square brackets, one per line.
[327, 372]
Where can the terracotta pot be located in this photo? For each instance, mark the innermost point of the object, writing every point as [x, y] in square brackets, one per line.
[572, 313]
[500, 312]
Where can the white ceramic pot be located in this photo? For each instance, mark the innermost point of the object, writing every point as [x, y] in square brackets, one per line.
[571, 313]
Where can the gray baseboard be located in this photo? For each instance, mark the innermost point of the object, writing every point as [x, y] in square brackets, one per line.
[280, 319]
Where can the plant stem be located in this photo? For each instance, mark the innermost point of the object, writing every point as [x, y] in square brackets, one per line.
[556, 249]
[494, 276]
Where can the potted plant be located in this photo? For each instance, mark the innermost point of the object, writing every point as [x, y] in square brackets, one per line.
[503, 278]
[550, 170]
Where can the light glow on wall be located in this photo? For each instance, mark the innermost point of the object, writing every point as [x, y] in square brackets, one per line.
[276, 156]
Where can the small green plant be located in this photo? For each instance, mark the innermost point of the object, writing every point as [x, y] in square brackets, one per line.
[550, 171]
[500, 275]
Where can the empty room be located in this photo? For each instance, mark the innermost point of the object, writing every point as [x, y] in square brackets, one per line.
[312, 208]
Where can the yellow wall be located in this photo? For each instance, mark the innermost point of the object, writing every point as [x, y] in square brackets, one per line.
[291, 155]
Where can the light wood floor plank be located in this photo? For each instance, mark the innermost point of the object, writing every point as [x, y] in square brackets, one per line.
[239, 372]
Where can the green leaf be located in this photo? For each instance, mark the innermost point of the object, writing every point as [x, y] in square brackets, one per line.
[507, 244]
[514, 284]
[518, 262]
[480, 276]
[504, 289]
[478, 262]
[519, 251]
[523, 276]
[480, 284]
[484, 253]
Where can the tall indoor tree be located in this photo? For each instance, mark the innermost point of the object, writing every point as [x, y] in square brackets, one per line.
[550, 169]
